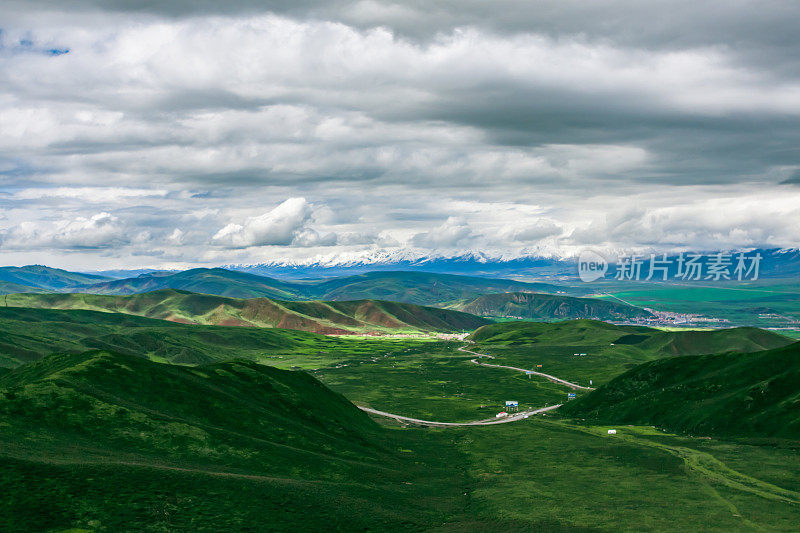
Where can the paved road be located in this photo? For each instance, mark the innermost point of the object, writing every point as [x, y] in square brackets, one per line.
[487, 422]
[542, 374]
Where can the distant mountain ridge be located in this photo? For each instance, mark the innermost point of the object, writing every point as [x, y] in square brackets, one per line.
[532, 306]
[776, 262]
[360, 316]
[421, 288]
[47, 278]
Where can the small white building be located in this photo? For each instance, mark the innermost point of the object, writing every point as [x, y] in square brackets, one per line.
[501, 414]
[612, 431]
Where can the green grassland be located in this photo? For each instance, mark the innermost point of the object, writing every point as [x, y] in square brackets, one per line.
[555, 476]
[29, 334]
[761, 303]
[434, 381]
[115, 439]
[320, 317]
[108, 442]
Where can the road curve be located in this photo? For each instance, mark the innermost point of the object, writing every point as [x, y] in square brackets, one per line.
[542, 374]
[486, 422]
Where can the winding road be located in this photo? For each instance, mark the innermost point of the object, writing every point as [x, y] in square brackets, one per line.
[488, 421]
[546, 376]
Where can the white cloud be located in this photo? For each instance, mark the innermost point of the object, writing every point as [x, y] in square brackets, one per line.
[532, 232]
[451, 233]
[177, 128]
[280, 226]
[102, 230]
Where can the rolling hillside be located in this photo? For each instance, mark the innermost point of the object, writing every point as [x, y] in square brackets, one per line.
[319, 317]
[216, 281]
[422, 288]
[532, 306]
[27, 335]
[38, 278]
[408, 287]
[112, 442]
[639, 338]
[732, 394]
[569, 332]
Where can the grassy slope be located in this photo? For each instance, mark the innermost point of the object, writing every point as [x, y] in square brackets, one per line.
[555, 476]
[29, 334]
[526, 476]
[572, 332]
[611, 350]
[118, 443]
[318, 317]
[548, 307]
[733, 394]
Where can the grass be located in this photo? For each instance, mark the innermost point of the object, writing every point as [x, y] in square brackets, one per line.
[105, 441]
[764, 303]
[555, 474]
[29, 334]
[611, 350]
[434, 381]
[316, 316]
[730, 394]
[531, 306]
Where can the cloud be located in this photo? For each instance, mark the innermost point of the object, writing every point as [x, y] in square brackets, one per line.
[521, 125]
[526, 233]
[102, 230]
[280, 226]
[705, 225]
[451, 233]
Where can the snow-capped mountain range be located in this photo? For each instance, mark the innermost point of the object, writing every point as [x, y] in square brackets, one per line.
[775, 263]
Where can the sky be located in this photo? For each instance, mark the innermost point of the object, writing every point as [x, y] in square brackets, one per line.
[195, 133]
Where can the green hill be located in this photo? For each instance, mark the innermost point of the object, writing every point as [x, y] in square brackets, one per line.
[588, 350]
[319, 317]
[744, 339]
[112, 442]
[217, 281]
[532, 306]
[732, 394]
[30, 334]
[422, 288]
[569, 332]
[639, 338]
[37, 278]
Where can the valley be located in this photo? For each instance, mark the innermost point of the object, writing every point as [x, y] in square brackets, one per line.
[139, 406]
